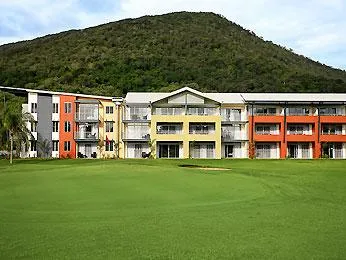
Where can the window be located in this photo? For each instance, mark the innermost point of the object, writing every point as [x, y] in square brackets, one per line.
[202, 128]
[305, 151]
[34, 108]
[137, 131]
[230, 114]
[329, 111]
[33, 126]
[109, 127]
[297, 129]
[55, 146]
[169, 111]
[67, 146]
[265, 111]
[164, 128]
[331, 129]
[210, 150]
[298, 111]
[68, 107]
[202, 111]
[266, 129]
[67, 126]
[33, 145]
[55, 126]
[55, 108]
[109, 110]
[231, 131]
[263, 151]
[109, 146]
[137, 113]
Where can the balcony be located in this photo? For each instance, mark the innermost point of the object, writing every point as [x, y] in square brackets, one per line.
[233, 136]
[169, 132]
[202, 111]
[231, 115]
[266, 133]
[169, 111]
[136, 136]
[169, 129]
[202, 128]
[86, 136]
[299, 129]
[87, 117]
[231, 118]
[299, 111]
[136, 117]
[137, 114]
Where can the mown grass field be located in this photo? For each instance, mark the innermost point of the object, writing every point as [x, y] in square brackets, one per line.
[154, 209]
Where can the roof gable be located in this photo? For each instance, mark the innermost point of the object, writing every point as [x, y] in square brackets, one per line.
[193, 97]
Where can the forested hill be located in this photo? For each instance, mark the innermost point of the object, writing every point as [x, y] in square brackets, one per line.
[161, 53]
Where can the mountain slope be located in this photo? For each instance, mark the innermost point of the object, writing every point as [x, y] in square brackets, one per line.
[157, 53]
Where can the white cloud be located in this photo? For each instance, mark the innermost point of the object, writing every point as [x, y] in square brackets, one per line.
[313, 28]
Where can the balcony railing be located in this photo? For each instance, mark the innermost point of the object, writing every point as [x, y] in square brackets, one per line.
[136, 117]
[86, 136]
[332, 132]
[87, 117]
[201, 132]
[232, 117]
[202, 111]
[169, 131]
[299, 132]
[267, 132]
[229, 136]
[136, 136]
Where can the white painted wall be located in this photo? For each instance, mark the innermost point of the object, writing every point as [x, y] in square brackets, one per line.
[55, 136]
[56, 116]
[32, 98]
[55, 154]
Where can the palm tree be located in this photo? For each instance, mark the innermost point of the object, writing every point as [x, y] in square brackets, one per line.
[13, 129]
[44, 146]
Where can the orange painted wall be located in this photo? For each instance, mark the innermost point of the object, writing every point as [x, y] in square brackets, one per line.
[70, 135]
[316, 139]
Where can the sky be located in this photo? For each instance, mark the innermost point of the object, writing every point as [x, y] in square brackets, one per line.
[313, 28]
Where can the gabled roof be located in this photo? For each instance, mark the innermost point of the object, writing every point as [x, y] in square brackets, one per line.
[185, 89]
[152, 97]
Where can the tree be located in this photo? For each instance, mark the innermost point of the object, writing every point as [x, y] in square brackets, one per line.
[152, 148]
[44, 146]
[13, 129]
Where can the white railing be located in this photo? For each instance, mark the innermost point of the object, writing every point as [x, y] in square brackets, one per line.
[169, 131]
[233, 135]
[86, 135]
[87, 116]
[136, 136]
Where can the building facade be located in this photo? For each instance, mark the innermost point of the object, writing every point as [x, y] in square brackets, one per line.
[186, 123]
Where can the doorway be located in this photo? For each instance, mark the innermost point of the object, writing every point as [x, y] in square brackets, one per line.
[138, 151]
[88, 150]
[293, 150]
[168, 150]
[229, 151]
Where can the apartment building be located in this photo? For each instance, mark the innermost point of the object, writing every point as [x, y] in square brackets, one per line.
[302, 126]
[67, 125]
[186, 123]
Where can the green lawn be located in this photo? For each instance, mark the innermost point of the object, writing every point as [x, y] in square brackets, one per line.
[154, 209]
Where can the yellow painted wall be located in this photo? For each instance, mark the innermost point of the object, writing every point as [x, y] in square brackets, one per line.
[116, 129]
[185, 137]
